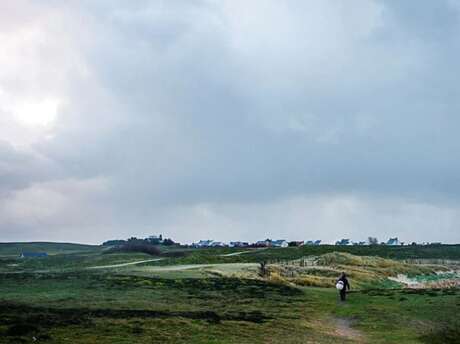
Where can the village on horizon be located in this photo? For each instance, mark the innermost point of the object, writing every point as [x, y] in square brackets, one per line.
[159, 240]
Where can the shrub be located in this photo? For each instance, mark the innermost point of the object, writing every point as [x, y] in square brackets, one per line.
[137, 246]
[314, 281]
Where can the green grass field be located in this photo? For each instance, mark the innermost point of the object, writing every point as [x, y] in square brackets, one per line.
[206, 296]
[15, 249]
[220, 255]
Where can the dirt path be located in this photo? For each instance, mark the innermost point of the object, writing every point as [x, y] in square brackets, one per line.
[225, 267]
[177, 267]
[124, 264]
[242, 252]
[343, 329]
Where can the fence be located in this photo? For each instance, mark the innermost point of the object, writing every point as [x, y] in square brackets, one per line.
[432, 261]
[304, 261]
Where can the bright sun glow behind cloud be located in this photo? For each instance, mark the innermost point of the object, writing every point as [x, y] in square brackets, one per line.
[39, 113]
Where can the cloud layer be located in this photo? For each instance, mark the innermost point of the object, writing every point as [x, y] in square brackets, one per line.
[229, 120]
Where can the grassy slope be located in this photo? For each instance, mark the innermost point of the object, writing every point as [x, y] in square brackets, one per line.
[364, 271]
[217, 255]
[15, 249]
[68, 262]
[55, 305]
[126, 309]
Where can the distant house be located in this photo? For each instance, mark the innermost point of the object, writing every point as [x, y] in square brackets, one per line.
[296, 243]
[203, 243]
[280, 243]
[263, 243]
[393, 242]
[33, 254]
[218, 244]
[343, 242]
[238, 244]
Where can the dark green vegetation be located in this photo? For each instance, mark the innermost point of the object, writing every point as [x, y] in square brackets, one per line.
[58, 299]
[137, 246]
[217, 255]
[15, 249]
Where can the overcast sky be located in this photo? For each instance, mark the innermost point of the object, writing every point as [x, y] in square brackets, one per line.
[229, 120]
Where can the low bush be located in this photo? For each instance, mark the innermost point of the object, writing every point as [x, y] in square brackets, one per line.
[136, 246]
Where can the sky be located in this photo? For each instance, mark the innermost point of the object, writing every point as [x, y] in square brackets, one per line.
[229, 120]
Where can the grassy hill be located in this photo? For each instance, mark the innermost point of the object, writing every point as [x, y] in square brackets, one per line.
[226, 255]
[89, 307]
[365, 271]
[84, 294]
[52, 248]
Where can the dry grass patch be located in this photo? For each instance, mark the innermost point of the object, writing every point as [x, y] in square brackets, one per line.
[362, 271]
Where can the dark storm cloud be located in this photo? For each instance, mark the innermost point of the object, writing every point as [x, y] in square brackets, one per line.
[187, 113]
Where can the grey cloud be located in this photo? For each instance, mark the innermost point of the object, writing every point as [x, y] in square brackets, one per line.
[206, 104]
[20, 169]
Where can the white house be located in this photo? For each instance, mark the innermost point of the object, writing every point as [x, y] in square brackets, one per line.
[238, 244]
[264, 243]
[280, 243]
[203, 243]
[393, 242]
[218, 244]
[313, 242]
[343, 242]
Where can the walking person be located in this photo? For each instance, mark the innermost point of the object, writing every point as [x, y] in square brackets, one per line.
[342, 285]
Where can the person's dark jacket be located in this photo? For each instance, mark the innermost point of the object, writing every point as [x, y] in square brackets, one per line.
[346, 284]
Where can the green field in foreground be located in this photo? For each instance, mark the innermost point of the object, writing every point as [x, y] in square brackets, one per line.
[65, 299]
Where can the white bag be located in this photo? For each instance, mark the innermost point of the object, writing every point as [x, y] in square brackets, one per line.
[339, 285]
